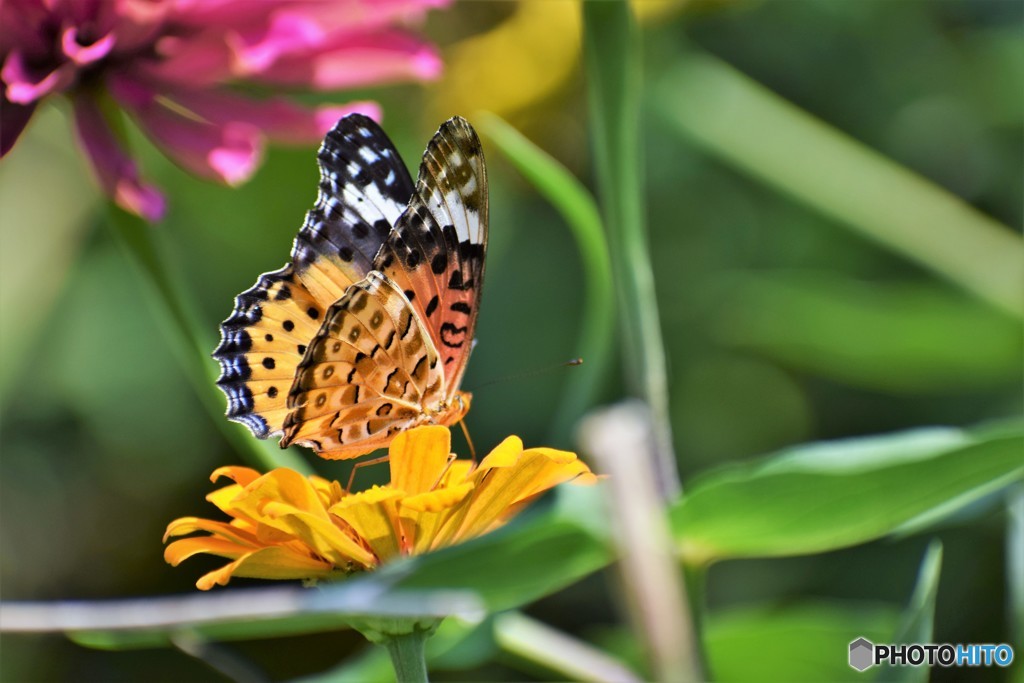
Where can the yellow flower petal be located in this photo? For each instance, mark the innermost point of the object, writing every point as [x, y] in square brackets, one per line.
[330, 492]
[188, 525]
[320, 535]
[423, 515]
[279, 485]
[267, 563]
[505, 454]
[223, 498]
[500, 486]
[438, 500]
[418, 458]
[181, 550]
[242, 476]
[457, 472]
[555, 467]
[284, 525]
[373, 516]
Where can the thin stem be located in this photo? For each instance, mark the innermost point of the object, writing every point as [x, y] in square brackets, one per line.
[580, 213]
[569, 657]
[219, 658]
[652, 583]
[613, 84]
[408, 655]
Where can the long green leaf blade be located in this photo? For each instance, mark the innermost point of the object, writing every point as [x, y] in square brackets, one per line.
[737, 119]
[834, 495]
[580, 212]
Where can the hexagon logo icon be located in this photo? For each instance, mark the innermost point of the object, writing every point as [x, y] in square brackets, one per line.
[861, 654]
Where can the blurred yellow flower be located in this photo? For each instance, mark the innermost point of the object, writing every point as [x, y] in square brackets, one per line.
[288, 526]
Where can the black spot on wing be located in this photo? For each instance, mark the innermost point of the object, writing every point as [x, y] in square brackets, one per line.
[452, 335]
[439, 263]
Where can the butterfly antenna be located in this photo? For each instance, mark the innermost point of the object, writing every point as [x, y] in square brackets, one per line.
[529, 373]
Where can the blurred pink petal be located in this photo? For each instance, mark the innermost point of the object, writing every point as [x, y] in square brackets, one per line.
[229, 152]
[362, 16]
[300, 27]
[116, 172]
[174, 66]
[286, 33]
[138, 22]
[280, 119]
[81, 53]
[13, 119]
[25, 85]
[22, 21]
[222, 12]
[358, 61]
[203, 60]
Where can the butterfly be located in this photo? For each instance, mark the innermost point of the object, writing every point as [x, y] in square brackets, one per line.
[368, 329]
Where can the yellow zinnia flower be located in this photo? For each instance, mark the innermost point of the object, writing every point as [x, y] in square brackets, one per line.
[288, 526]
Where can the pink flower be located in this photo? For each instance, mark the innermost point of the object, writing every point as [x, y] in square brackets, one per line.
[169, 65]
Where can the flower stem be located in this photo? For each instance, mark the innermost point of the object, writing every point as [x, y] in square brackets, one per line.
[408, 656]
[611, 48]
[405, 640]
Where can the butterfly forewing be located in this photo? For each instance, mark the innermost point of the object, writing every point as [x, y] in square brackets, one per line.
[436, 252]
[364, 187]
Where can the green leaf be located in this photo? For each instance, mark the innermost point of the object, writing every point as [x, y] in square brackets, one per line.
[801, 642]
[832, 495]
[577, 207]
[511, 567]
[895, 337]
[742, 122]
[508, 568]
[918, 623]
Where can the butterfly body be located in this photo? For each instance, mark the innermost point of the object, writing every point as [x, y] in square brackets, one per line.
[367, 331]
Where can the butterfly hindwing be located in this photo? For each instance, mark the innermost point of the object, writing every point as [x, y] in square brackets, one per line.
[364, 187]
[262, 342]
[436, 252]
[370, 371]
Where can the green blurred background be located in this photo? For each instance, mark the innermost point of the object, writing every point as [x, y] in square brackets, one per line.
[781, 325]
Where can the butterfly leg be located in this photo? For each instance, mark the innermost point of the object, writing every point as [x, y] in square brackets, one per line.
[465, 431]
[451, 458]
[365, 463]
